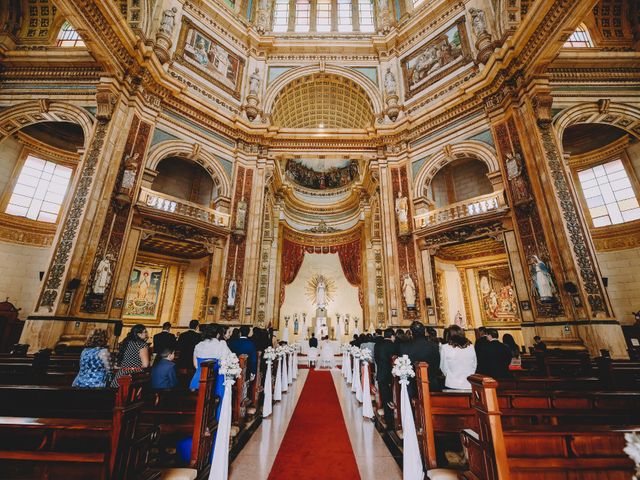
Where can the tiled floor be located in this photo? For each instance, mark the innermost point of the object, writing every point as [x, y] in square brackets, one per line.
[372, 456]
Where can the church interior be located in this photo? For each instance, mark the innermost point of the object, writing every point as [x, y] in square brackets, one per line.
[342, 205]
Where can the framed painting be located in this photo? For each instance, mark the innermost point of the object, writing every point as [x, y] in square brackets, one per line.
[143, 302]
[435, 59]
[200, 51]
[497, 295]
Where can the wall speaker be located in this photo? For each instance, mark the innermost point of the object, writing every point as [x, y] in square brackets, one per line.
[41, 275]
[214, 301]
[570, 287]
[73, 284]
[427, 301]
[605, 281]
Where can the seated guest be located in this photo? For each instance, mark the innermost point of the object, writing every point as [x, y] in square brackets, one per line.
[212, 347]
[187, 341]
[313, 341]
[95, 362]
[495, 357]
[539, 345]
[243, 346]
[163, 373]
[133, 355]
[260, 339]
[164, 339]
[509, 341]
[419, 349]
[457, 359]
[382, 354]
[481, 340]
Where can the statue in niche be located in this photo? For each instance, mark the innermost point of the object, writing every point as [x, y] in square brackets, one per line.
[103, 275]
[241, 215]
[389, 82]
[516, 179]
[129, 174]
[168, 22]
[459, 319]
[543, 281]
[254, 82]
[231, 293]
[296, 324]
[478, 22]
[409, 291]
[402, 213]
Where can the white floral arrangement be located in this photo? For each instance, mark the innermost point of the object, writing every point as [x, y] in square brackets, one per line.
[403, 368]
[365, 354]
[230, 366]
[633, 450]
[270, 354]
[281, 351]
[355, 352]
[345, 348]
[290, 349]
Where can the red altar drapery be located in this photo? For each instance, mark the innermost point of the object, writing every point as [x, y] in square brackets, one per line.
[348, 253]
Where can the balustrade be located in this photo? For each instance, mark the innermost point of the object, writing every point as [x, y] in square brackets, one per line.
[174, 205]
[464, 209]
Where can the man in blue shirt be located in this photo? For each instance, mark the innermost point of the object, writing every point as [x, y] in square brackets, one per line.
[163, 373]
[244, 346]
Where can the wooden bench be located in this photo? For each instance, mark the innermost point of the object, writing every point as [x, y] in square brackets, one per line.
[542, 452]
[61, 432]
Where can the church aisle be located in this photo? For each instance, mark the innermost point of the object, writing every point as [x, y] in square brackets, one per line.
[257, 457]
[316, 445]
[372, 455]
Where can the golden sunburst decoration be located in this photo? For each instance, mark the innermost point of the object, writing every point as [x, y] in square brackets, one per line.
[312, 288]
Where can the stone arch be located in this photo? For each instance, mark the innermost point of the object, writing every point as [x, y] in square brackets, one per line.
[37, 111]
[467, 149]
[370, 88]
[621, 115]
[193, 152]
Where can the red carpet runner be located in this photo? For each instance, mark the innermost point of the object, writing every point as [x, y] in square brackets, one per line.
[316, 445]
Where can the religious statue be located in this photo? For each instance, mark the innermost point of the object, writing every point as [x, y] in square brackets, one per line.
[542, 280]
[129, 174]
[168, 22]
[103, 275]
[321, 293]
[296, 324]
[459, 319]
[402, 213]
[231, 295]
[478, 22]
[254, 82]
[389, 83]
[346, 324]
[516, 179]
[409, 291]
[241, 215]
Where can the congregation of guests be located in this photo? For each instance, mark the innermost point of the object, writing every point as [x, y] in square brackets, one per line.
[100, 367]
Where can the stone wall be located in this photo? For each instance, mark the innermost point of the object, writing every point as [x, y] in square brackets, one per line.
[621, 267]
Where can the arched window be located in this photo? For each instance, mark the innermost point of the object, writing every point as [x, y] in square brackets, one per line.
[69, 37]
[345, 16]
[281, 16]
[303, 15]
[579, 39]
[365, 10]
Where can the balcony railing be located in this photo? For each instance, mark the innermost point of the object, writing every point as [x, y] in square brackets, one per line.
[466, 209]
[167, 203]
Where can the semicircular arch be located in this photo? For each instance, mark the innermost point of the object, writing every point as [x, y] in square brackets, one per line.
[38, 111]
[621, 115]
[371, 89]
[467, 149]
[193, 152]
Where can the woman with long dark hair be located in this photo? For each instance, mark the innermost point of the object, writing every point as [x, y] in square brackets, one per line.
[133, 355]
[516, 361]
[457, 359]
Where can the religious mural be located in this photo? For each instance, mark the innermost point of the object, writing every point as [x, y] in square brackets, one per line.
[218, 63]
[144, 296]
[497, 295]
[435, 59]
[322, 174]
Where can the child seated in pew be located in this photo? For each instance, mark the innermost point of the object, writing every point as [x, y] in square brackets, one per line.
[95, 362]
[163, 373]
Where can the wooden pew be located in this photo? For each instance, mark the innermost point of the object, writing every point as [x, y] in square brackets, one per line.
[256, 389]
[557, 363]
[545, 452]
[618, 374]
[61, 432]
[181, 413]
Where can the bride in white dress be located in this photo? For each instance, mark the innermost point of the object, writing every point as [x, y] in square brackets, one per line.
[326, 354]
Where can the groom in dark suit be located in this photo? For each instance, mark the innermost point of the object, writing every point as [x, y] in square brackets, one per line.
[244, 346]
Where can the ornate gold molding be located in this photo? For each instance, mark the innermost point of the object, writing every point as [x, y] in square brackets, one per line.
[617, 237]
[600, 155]
[24, 231]
[325, 239]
